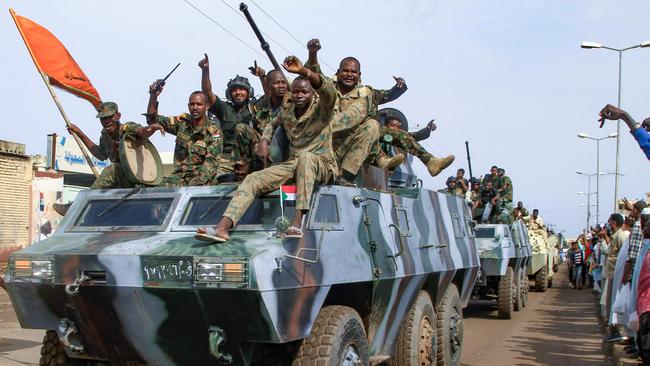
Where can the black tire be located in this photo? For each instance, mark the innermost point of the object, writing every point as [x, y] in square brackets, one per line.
[524, 288]
[550, 282]
[337, 332]
[519, 292]
[53, 353]
[541, 280]
[450, 328]
[505, 296]
[416, 342]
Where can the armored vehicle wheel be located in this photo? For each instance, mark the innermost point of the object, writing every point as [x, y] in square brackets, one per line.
[518, 292]
[337, 338]
[450, 328]
[505, 297]
[53, 353]
[416, 342]
[524, 288]
[541, 280]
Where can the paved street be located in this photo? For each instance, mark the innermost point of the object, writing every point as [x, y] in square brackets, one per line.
[558, 327]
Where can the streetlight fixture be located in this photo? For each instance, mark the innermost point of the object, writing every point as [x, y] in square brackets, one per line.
[593, 45]
[583, 135]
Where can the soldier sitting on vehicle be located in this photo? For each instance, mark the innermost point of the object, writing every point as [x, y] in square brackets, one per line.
[493, 176]
[462, 185]
[198, 140]
[451, 186]
[505, 188]
[235, 115]
[355, 130]
[485, 209]
[519, 212]
[392, 134]
[307, 120]
[112, 132]
[474, 194]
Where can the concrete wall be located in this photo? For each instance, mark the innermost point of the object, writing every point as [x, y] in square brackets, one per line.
[15, 187]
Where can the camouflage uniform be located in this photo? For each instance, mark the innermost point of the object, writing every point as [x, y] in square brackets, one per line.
[197, 151]
[537, 234]
[248, 136]
[229, 120]
[311, 160]
[506, 188]
[355, 131]
[113, 176]
[398, 138]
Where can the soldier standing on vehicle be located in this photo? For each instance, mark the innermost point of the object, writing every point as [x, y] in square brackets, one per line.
[231, 113]
[198, 140]
[355, 130]
[251, 147]
[307, 120]
[112, 132]
[505, 188]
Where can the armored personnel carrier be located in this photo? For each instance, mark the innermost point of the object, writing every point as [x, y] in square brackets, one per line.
[504, 253]
[380, 276]
[540, 268]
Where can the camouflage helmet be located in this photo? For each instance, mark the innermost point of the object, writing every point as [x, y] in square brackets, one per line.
[474, 180]
[242, 82]
[451, 179]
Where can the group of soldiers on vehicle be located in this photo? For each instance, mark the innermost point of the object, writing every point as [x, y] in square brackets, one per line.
[324, 129]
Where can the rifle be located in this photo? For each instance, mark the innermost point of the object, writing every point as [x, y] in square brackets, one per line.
[469, 160]
[161, 82]
[263, 43]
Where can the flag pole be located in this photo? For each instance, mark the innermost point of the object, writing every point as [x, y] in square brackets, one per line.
[54, 96]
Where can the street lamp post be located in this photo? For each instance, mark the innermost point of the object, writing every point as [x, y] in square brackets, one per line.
[583, 135]
[592, 45]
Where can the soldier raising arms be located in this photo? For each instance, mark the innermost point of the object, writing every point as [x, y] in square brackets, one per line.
[236, 110]
[198, 140]
[112, 132]
[306, 120]
[355, 129]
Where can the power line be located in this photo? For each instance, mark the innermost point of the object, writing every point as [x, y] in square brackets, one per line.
[266, 35]
[224, 29]
[303, 44]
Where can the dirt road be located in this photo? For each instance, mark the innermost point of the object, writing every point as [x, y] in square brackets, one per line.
[558, 327]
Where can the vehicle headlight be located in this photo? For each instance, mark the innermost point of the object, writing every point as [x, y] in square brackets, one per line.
[221, 272]
[42, 269]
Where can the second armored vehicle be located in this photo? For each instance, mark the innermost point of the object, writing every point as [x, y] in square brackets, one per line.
[504, 253]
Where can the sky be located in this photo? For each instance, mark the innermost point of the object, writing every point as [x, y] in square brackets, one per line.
[509, 77]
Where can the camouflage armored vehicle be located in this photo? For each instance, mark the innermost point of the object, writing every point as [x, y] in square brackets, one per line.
[540, 267]
[504, 254]
[378, 277]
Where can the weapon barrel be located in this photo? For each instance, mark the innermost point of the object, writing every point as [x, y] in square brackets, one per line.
[469, 160]
[171, 72]
[265, 45]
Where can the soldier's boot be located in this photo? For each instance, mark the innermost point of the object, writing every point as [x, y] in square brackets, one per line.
[435, 165]
[61, 208]
[386, 163]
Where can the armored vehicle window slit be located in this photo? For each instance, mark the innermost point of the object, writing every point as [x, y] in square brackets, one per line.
[459, 232]
[261, 215]
[327, 210]
[132, 212]
[485, 232]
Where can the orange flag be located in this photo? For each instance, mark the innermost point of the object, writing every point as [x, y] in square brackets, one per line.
[53, 59]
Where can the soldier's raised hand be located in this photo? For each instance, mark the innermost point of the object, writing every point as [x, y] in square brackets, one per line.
[157, 127]
[155, 88]
[432, 126]
[313, 45]
[399, 82]
[292, 64]
[256, 70]
[204, 64]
